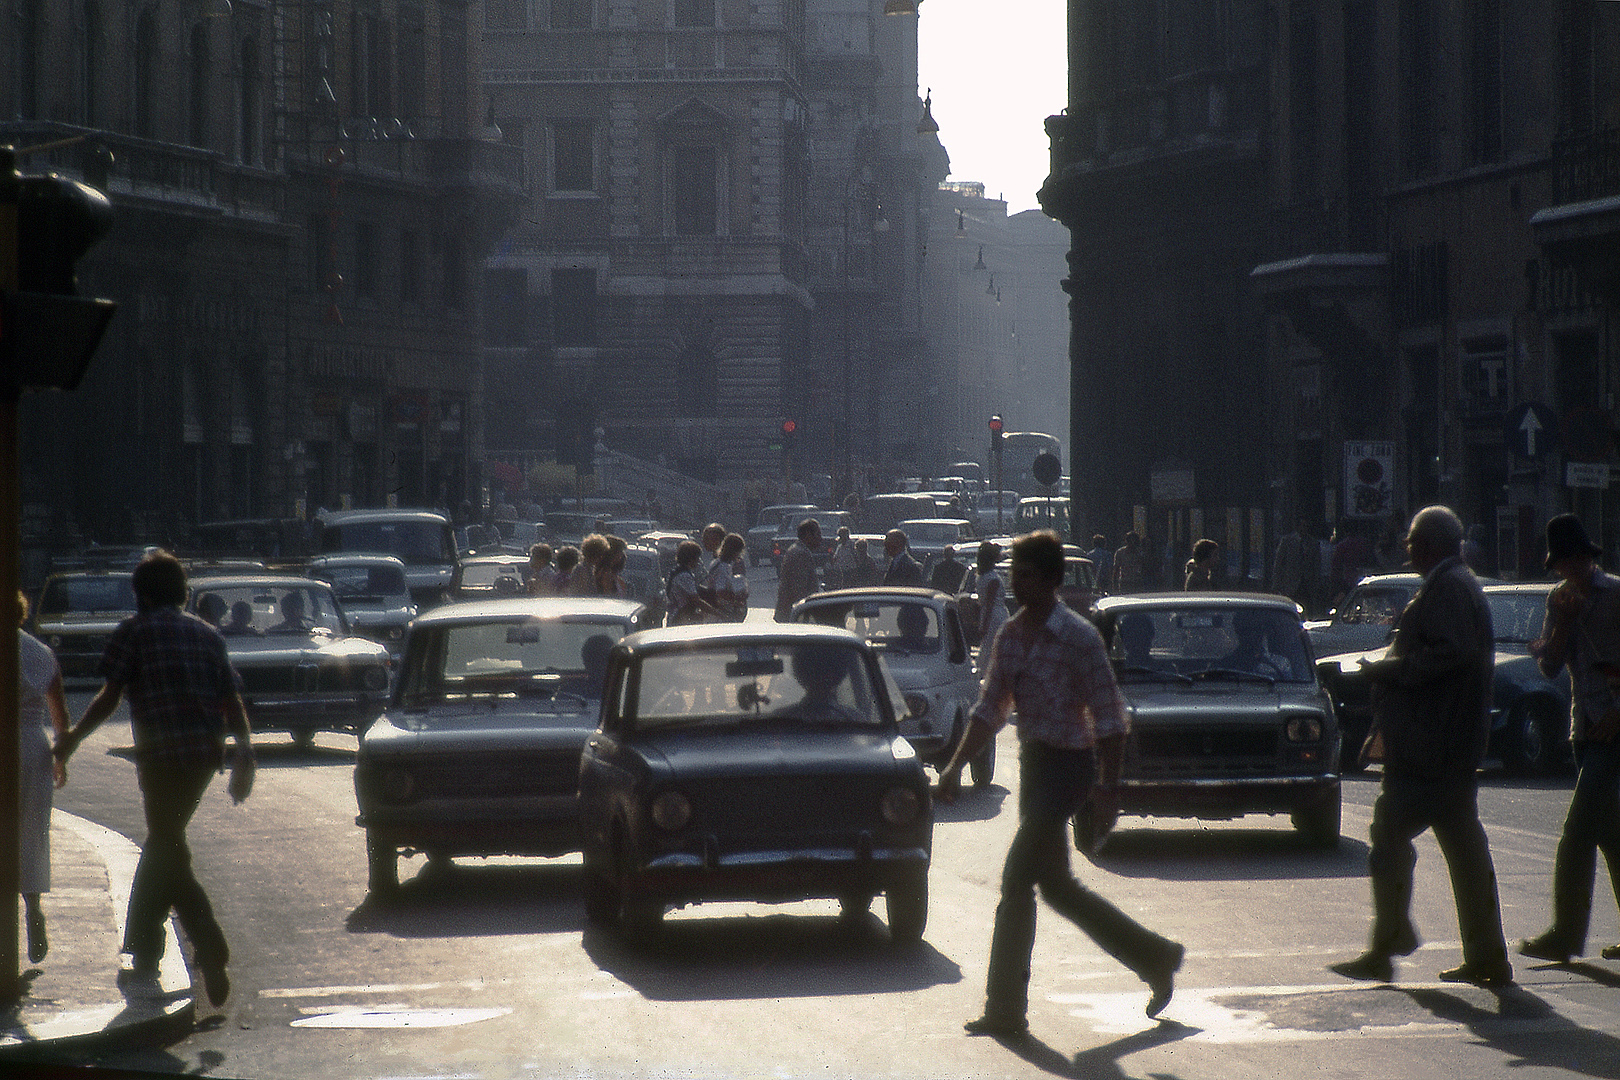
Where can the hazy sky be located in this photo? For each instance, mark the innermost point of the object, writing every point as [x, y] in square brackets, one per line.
[998, 70]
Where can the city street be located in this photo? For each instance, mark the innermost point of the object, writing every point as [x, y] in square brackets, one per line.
[489, 969]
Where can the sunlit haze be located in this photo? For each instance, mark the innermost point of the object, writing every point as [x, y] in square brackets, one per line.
[997, 72]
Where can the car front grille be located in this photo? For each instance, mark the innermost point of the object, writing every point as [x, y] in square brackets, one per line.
[303, 679]
[1236, 751]
[510, 774]
[736, 806]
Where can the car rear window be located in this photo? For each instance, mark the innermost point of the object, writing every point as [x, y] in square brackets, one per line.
[805, 684]
[892, 627]
[1193, 640]
[87, 595]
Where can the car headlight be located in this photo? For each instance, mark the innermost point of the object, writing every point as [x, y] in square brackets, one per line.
[671, 811]
[396, 784]
[374, 678]
[900, 806]
[395, 633]
[916, 706]
[55, 641]
[1303, 728]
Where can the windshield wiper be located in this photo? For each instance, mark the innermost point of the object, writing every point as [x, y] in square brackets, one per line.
[1234, 673]
[1154, 672]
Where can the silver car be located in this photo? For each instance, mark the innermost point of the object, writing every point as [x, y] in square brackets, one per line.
[374, 595]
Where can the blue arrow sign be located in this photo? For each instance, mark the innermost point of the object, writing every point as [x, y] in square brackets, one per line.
[1531, 429]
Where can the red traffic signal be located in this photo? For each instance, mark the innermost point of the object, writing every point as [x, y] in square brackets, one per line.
[995, 424]
[789, 427]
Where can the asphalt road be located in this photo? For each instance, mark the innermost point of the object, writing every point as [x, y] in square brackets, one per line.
[489, 969]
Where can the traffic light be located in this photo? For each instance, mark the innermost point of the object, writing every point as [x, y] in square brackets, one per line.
[48, 332]
[995, 426]
[789, 429]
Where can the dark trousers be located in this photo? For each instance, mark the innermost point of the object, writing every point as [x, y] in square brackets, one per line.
[1593, 824]
[1053, 785]
[163, 877]
[1407, 806]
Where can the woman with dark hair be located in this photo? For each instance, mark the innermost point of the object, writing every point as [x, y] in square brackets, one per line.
[686, 604]
[992, 593]
[727, 579]
[1200, 569]
[40, 703]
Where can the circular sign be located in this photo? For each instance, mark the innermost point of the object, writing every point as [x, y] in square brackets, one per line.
[1046, 469]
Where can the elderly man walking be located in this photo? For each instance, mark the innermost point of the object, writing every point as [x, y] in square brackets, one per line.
[1431, 709]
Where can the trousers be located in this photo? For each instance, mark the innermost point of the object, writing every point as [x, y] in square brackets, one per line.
[1054, 783]
[1406, 806]
[163, 878]
[1592, 825]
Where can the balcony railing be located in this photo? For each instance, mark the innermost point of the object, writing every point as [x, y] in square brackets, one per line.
[1587, 166]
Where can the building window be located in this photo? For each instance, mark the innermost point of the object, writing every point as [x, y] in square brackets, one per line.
[365, 259]
[1485, 84]
[1419, 116]
[571, 14]
[506, 302]
[1577, 98]
[320, 252]
[453, 64]
[370, 55]
[693, 190]
[247, 122]
[410, 266]
[146, 67]
[1302, 111]
[573, 307]
[197, 114]
[412, 60]
[694, 12]
[454, 271]
[573, 155]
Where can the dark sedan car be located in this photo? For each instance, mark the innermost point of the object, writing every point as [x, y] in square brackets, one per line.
[1227, 716]
[478, 752]
[1529, 712]
[303, 668]
[752, 762]
[76, 614]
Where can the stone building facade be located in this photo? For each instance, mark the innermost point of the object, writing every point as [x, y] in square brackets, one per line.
[301, 199]
[1386, 233]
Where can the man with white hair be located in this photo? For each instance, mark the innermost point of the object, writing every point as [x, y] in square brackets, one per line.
[1431, 711]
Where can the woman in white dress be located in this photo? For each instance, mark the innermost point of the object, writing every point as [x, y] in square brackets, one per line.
[41, 704]
[992, 595]
[728, 577]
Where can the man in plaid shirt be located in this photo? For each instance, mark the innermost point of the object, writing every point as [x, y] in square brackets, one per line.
[1051, 664]
[183, 693]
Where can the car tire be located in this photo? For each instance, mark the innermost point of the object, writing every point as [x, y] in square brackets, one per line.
[854, 907]
[601, 897]
[906, 902]
[1530, 738]
[382, 866]
[637, 913]
[983, 767]
[303, 740]
[1320, 825]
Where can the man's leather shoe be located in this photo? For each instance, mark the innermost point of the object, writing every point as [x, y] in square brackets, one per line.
[217, 983]
[1368, 967]
[1546, 947]
[1003, 1027]
[1611, 952]
[1162, 981]
[1479, 974]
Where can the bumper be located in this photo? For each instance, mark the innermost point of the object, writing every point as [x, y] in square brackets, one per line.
[313, 713]
[513, 834]
[1226, 799]
[786, 875]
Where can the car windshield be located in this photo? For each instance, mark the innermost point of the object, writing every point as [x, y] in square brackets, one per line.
[1516, 617]
[799, 684]
[501, 577]
[254, 610]
[415, 542]
[1378, 606]
[65, 596]
[1196, 643]
[510, 658]
[366, 585]
[891, 626]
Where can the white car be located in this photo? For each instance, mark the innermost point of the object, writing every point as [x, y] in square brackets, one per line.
[918, 635]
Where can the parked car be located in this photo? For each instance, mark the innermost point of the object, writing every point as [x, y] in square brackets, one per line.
[303, 668]
[76, 614]
[1078, 589]
[478, 751]
[1529, 712]
[421, 539]
[647, 578]
[1042, 512]
[752, 762]
[880, 513]
[1227, 715]
[764, 530]
[983, 512]
[788, 534]
[492, 575]
[918, 634]
[373, 593]
[929, 537]
[1364, 619]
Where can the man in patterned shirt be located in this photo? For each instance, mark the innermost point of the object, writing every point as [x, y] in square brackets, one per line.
[183, 693]
[1051, 664]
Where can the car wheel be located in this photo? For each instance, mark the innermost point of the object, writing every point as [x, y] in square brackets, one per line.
[1320, 825]
[1529, 739]
[906, 901]
[601, 896]
[983, 767]
[638, 913]
[853, 907]
[303, 739]
[382, 866]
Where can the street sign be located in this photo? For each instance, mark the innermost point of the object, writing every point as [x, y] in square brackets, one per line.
[1531, 429]
[1369, 472]
[1046, 469]
[1586, 474]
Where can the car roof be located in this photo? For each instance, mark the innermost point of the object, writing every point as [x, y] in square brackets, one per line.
[1234, 600]
[506, 558]
[285, 581]
[344, 517]
[741, 634]
[1522, 587]
[318, 561]
[902, 593]
[1406, 577]
[529, 607]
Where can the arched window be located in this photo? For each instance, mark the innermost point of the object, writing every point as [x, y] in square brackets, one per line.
[146, 67]
[197, 129]
[247, 106]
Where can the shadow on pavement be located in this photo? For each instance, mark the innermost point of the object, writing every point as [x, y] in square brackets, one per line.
[1190, 853]
[975, 804]
[477, 900]
[1100, 1062]
[1551, 1041]
[768, 956]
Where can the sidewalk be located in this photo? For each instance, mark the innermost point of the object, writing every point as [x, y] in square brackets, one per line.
[74, 1003]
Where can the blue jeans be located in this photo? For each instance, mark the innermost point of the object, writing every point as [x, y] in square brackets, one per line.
[1593, 824]
[1053, 784]
[163, 877]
